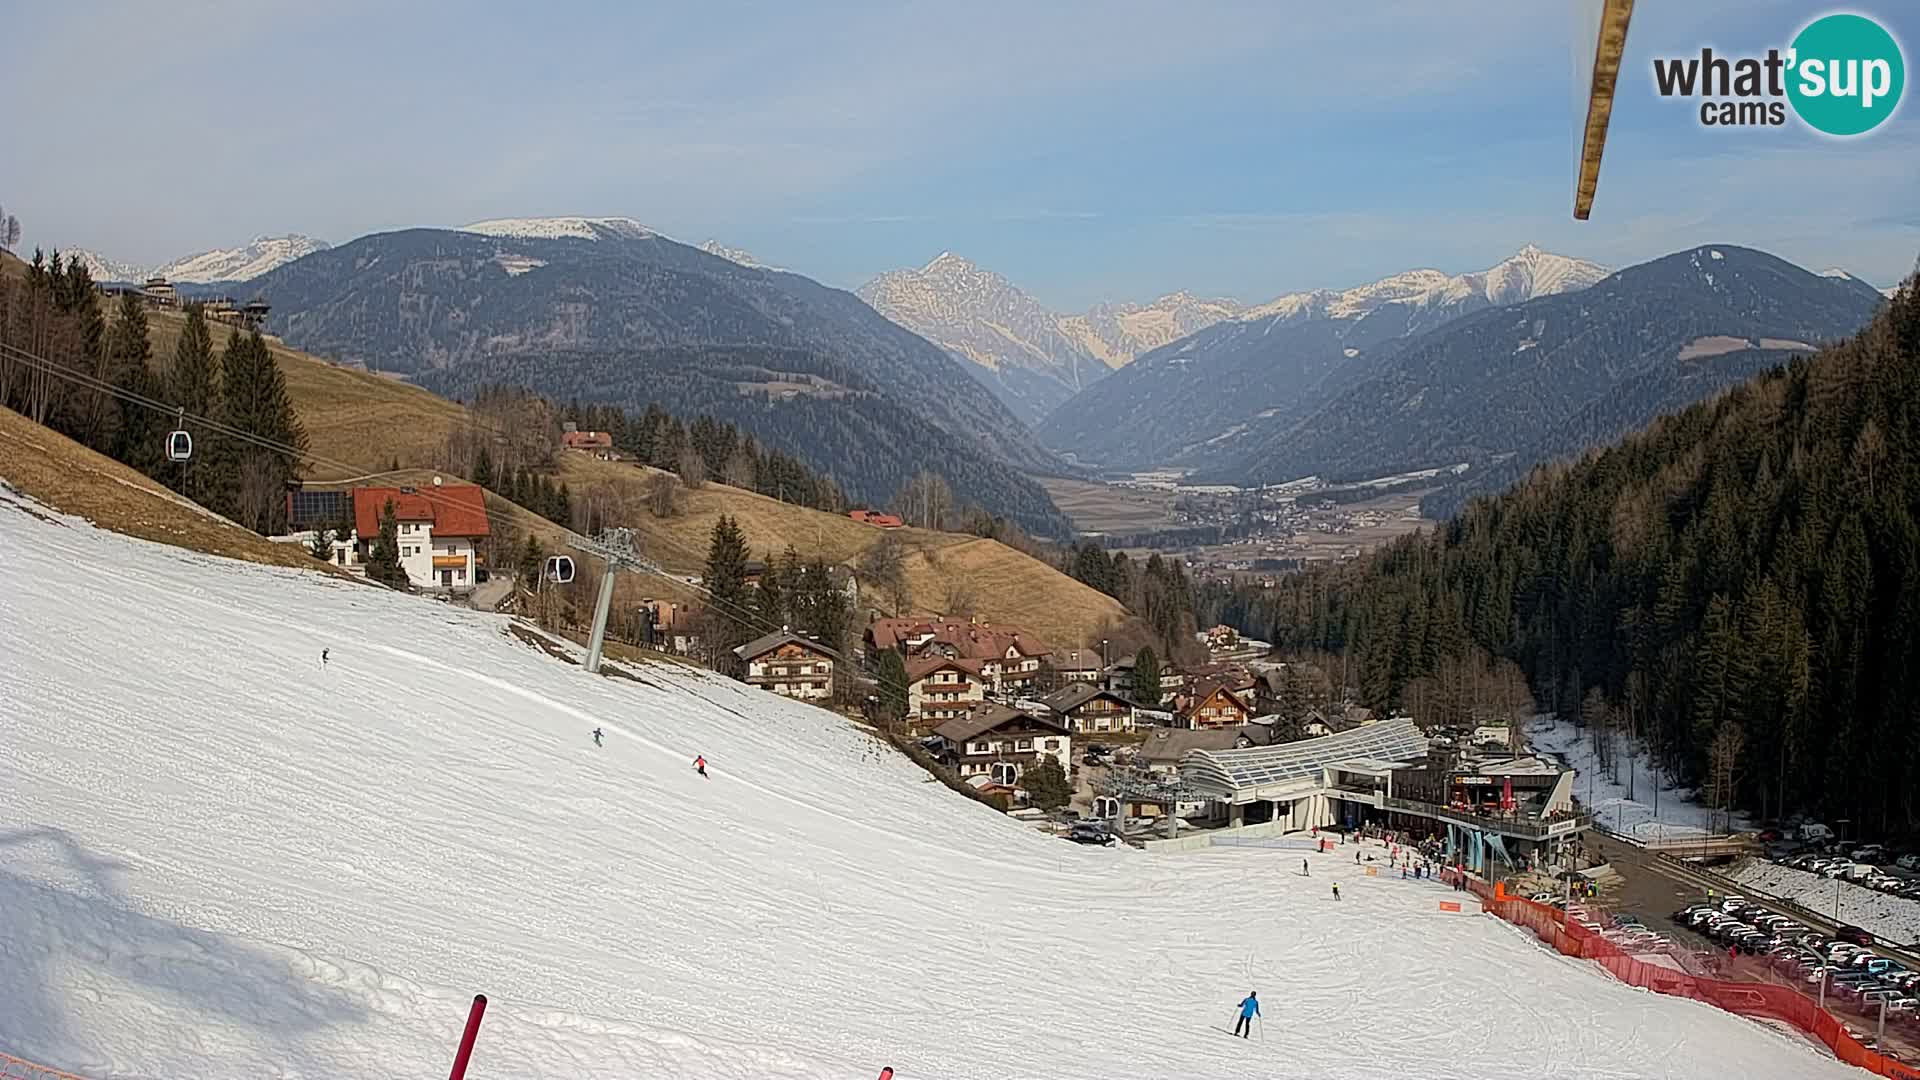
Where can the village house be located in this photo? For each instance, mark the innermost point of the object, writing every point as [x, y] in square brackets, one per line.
[876, 519]
[1213, 705]
[940, 689]
[1118, 677]
[1010, 657]
[597, 444]
[789, 665]
[676, 627]
[1160, 754]
[1084, 707]
[1078, 665]
[437, 531]
[310, 512]
[1000, 743]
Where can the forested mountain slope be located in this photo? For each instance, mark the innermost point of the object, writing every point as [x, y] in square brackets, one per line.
[1739, 583]
[606, 301]
[1535, 380]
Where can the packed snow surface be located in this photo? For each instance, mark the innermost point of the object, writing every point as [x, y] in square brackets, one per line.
[1626, 803]
[220, 859]
[1890, 918]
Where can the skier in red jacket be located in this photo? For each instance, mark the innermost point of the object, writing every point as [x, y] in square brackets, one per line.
[700, 765]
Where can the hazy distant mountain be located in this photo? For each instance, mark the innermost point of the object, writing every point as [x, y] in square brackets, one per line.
[731, 254]
[1508, 387]
[1032, 357]
[1203, 399]
[222, 264]
[606, 309]
[1120, 333]
[105, 269]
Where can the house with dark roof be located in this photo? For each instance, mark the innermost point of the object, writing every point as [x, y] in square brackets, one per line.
[438, 530]
[942, 688]
[1078, 665]
[789, 665]
[1164, 747]
[1000, 743]
[1084, 707]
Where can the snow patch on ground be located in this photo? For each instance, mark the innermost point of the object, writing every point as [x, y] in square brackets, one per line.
[1894, 918]
[219, 858]
[1627, 805]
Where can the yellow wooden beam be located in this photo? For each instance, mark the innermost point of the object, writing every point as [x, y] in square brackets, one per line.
[1608, 48]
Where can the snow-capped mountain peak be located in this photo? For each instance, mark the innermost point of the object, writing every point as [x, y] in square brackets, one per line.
[243, 263]
[1528, 273]
[557, 228]
[731, 254]
[103, 269]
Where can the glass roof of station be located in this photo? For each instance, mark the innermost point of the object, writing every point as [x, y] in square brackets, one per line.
[1234, 770]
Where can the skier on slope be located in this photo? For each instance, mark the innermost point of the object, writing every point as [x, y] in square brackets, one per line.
[323, 657]
[1249, 1009]
[596, 736]
[700, 765]
[1336, 890]
[1304, 872]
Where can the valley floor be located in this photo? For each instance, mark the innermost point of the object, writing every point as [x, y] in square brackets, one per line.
[221, 858]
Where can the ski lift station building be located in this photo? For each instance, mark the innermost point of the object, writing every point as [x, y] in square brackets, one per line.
[1490, 809]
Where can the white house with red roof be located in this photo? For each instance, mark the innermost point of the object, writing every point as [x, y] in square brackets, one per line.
[437, 530]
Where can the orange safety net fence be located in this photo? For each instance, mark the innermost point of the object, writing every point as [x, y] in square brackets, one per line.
[1764, 1000]
[13, 1068]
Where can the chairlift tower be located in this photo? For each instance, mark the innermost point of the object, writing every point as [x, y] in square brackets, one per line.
[620, 547]
[1167, 791]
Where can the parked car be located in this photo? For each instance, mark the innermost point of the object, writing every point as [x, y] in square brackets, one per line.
[1909, 861]
[1853, 934]
[1090, 832]
[1872, 854]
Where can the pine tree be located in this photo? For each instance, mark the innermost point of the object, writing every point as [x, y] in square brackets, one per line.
[383, 561]
[726, 585]
[770, 599]
[891, 674]
[1045, 783]
[1145, 686]
[193, 385]
[139, 439]
[483, 468]
[321, 546]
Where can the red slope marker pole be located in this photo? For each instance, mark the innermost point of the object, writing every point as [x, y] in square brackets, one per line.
[472, 1033]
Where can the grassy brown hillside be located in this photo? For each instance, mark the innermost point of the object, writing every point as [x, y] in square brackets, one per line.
[70, 478]
[362, 423]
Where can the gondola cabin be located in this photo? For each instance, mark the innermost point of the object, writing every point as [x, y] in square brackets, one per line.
[560, 569]
[179, 446]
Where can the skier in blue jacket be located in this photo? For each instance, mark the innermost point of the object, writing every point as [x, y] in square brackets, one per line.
[1249, 1009]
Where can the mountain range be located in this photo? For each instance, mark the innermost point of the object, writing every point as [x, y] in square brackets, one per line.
[608, 310]
[1522, 383]
[1204, 399]
[1032, 357]
[243, 263]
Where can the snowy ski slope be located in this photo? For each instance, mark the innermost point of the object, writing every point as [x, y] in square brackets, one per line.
[218, 860]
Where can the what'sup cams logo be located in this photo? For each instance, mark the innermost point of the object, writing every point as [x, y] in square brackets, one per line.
[1842, 75]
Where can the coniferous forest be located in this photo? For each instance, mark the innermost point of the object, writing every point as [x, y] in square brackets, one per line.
[1738, 586]
[86, 369]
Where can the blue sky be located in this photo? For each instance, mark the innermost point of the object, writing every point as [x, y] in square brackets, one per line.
[1088, 151]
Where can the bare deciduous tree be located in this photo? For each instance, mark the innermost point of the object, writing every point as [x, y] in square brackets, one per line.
[692, 469]
[883, 566]
[663, 496]
[1723, 767]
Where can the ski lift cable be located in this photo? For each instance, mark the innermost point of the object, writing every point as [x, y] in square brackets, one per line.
[746, 616]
